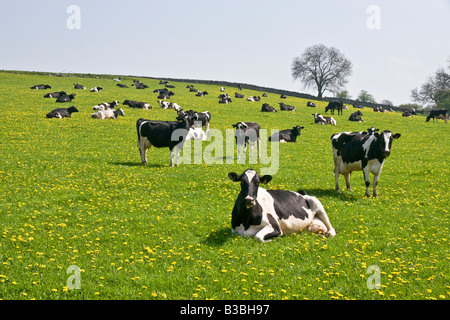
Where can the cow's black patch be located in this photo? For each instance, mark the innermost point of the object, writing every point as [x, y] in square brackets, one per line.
[288, 204]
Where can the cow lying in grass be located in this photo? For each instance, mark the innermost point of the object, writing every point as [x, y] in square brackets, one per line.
[267, 214]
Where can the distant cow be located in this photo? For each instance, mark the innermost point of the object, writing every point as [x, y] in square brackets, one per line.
[224, 98]
[62, 112]
[267, 108]
[267, 214]
[108, 114]
[334, 105]
[55, 94]
[121, 85]
[247, 133]
[407, 114]
[136, 104]
[288, 135]
[361, 151]
[285, 107]
[169, 105]
[41, 87]
[106, 105]
[356, 116]
[379, 109]
[96, 89]
[238, 95]
[78, 86]
[311, 104]
[141, 86]
[283, 96]
[66, 98]
[222, 89]
[201, 94]
[436, 113]
[319, 119]
[163, 134]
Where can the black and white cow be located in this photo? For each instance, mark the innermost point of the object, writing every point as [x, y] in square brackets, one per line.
[267, 108]
[66, 98]
[436, 113]
[163, 134]
[201, 93]
[247, 133]
[169, 105]
[108, 114]
[224, 98]
[202, 117]
[41, 87]
[356, 116]
[283, 96]
[286, 107]
[136, 104]
[55, 94]
[311, 104]
[78, 86]
[407, 114]
[319, 119]
[62, 112]
[121, 85]
[96, 89]
[334, 105]
[361, 151]
[288, 135]
[238, 95]
[141, 86]
[106, 105]
[267, 214]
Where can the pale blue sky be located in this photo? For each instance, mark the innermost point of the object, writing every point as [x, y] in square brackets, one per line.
[248, 41]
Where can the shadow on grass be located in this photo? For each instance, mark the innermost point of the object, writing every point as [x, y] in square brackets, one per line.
[218, 238]
[139, 164]
[345, 195]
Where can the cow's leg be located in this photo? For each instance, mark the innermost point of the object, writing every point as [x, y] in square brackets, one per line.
[320, 214]
[144, 144]
[375, 184]
[239, 150]
[336, 177]
[272, 230]
[347, 180]
[318, 227]
[367, 180]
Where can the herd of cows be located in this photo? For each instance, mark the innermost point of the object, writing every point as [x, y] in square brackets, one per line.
[260, 213]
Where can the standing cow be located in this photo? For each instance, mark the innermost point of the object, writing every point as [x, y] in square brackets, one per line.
[361, 151]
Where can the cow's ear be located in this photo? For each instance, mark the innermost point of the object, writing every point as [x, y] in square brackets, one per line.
[397, 135]
[265, 179]
[302, 127]
[233, 176]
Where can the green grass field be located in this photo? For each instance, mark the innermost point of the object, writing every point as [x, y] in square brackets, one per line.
[74, 193]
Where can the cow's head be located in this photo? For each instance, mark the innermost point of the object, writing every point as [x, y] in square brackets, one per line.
[297, 130]
[385, 141]
[240, 125]
[250, 181]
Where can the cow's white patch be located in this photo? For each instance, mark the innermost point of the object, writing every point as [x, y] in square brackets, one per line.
[386, 137]
[250, 174]
[366, 145]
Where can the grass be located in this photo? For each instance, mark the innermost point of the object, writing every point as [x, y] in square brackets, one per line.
[74, 193]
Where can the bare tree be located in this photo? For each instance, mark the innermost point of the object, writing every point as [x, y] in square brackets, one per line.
[323, 68]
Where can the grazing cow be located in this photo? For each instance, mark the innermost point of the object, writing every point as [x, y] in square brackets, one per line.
[319, 119]
[436, 113]
[356, 116]
[41, 87]
[163, 134]
[55, 94]
[106, 106]
[247, 133]
[267, 214]
[66, 98]
[238, 95]
[361, 151]
[267, 108]
[288, 135]
[169, 105]
[121, 85]
[108, 114]
[334, 104]
[311, 104]
[96, 89]
[78, 86]
[285, 107]
[136, 104]
[407, 114]
[62, 112]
